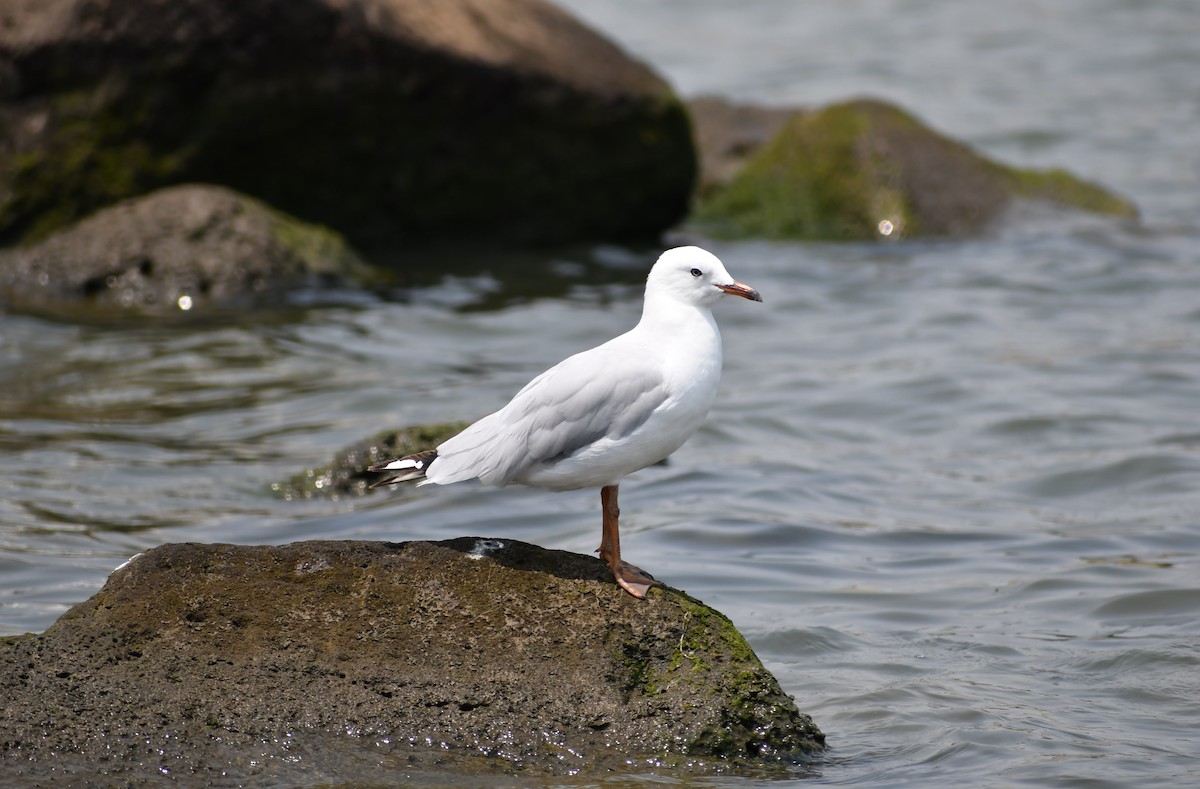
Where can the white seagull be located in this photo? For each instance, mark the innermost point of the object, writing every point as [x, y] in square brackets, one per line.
[602, 414]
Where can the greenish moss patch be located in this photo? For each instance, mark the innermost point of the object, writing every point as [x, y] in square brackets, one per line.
[866, 170]
[1061, 188]
[708, 663]
[321, 250]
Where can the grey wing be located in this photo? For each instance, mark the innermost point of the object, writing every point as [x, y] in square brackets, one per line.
[567, 414]
[566, 408]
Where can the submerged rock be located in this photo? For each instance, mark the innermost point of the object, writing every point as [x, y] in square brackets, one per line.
[244, 663]
[183, 250]
[861, 170]
[347, 475]
[392, 121]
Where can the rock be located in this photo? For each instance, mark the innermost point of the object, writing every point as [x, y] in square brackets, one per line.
[728, 134]
[867, 170]
[393, 121]
[347, 475]
[240, 664]
[183, 250]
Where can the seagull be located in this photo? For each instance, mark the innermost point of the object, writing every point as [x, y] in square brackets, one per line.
[602, 414]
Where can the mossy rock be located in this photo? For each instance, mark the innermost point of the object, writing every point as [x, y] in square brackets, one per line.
[395, 122]
[347, 474]
[474, 656]
[866, 170]
[185, 251]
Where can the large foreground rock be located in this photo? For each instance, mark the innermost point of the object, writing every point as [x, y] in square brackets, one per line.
[232, 664]
[181, 250]
[860, 170]
[391, 121]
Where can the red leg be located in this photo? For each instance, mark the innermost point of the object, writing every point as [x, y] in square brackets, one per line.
[632, 579]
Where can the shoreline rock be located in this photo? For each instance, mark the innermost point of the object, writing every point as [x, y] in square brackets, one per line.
[474, 655]
[860, 170]
[188, 250]
[392, 121]
[728, 133]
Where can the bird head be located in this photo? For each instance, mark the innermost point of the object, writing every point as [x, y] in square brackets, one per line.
[695, 276]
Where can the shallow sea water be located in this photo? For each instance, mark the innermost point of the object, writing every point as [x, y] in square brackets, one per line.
[950, 490]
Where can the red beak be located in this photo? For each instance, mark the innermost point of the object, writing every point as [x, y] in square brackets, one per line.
[741, 289]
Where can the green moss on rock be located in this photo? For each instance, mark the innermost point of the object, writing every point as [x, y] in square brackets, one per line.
[318, 249]
[804, 183]
[91, 153]
[1062, 188]
[470, 656]
[507, 121]
[710, 662]
[866, 170]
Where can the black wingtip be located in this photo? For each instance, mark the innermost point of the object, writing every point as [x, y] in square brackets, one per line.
[421, 461]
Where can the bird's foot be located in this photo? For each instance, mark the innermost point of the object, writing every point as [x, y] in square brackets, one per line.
[635, 580]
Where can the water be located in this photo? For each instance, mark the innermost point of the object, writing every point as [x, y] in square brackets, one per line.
[950, 491]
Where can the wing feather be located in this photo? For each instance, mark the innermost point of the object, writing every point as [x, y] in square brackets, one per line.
[585, 398]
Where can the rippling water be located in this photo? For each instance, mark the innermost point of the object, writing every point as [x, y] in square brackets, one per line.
[950, 491]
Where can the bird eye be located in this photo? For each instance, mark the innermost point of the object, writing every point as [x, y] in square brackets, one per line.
[696, 272]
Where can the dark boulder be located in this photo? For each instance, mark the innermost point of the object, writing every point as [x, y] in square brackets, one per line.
[185, 250]
[860, 170]
[392, 121]
[242, 664]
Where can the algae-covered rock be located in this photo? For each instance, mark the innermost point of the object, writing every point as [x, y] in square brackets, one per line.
[347, 475]
[247, 664]
[182, 250]
[392, 121]
[866, 170]
[728, 134]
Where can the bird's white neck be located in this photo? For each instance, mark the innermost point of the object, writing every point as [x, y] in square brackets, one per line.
[671, 321]
[684, 339]
[660, 308]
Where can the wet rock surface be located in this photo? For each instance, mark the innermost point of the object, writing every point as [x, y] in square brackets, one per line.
[860, 170]
[235, 663]
[392, 121]
[184, 250]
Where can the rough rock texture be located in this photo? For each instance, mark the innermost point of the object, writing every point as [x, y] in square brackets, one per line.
[347, 475]
[186, 249]
[392, 121]
[233, 664]
[861, 170]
